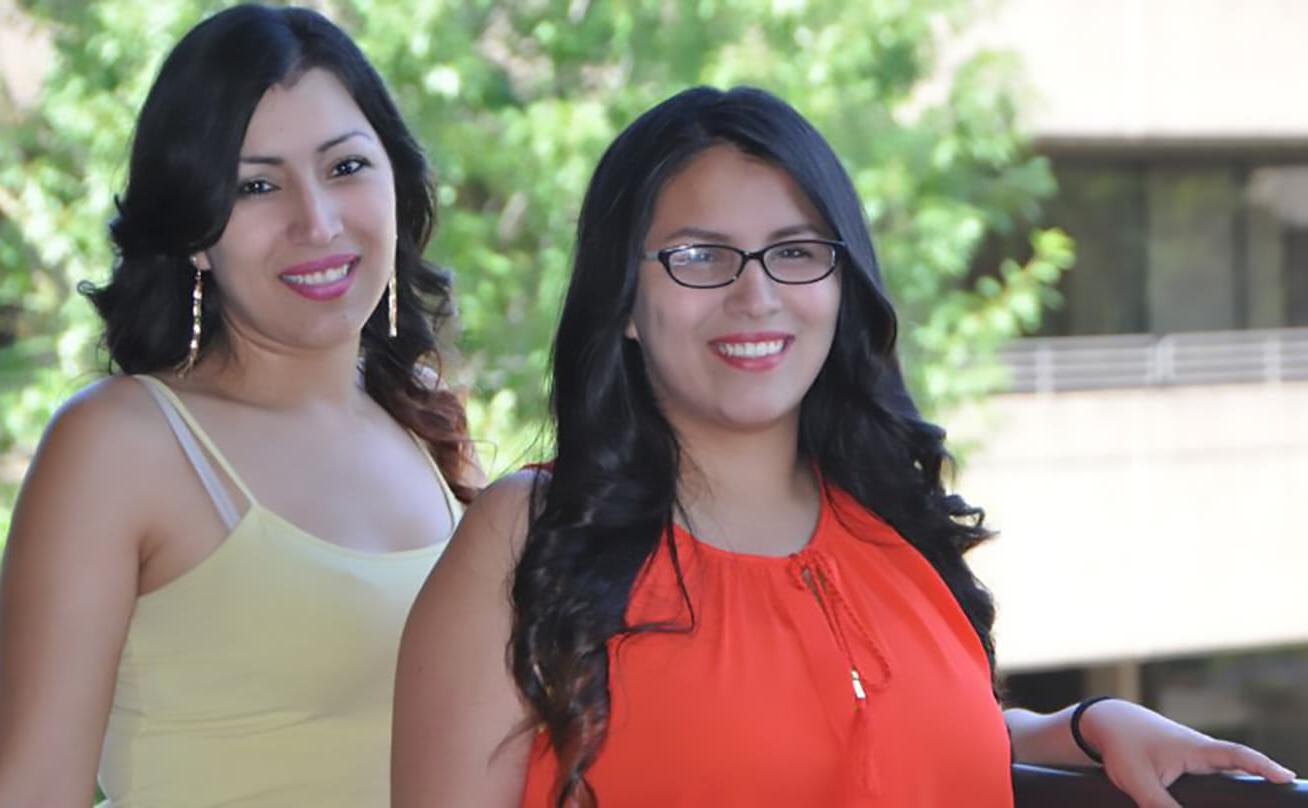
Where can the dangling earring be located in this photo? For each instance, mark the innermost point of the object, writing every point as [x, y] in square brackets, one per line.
[393, 304]
[197, 298]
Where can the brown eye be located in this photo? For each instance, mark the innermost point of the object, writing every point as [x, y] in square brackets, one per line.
[255, 187]
[793, 252]
[348, 166]
[695, 256]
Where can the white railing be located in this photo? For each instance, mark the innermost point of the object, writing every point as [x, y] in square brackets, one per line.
[1049, 364]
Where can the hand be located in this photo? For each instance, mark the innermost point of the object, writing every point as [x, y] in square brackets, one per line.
[1145, 752]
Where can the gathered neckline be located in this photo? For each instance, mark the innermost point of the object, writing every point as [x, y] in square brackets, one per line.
[836, 505]
[816, 538]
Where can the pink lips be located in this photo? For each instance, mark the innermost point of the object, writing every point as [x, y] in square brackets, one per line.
[299, 278]
[752, 351]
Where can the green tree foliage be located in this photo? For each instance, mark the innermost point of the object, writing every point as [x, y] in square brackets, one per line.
[515, 102]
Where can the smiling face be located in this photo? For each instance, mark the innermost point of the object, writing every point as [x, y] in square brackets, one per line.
[740, 356]
[310, 245]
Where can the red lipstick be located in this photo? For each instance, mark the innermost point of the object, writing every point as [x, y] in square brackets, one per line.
[322, 278]
[752, 351]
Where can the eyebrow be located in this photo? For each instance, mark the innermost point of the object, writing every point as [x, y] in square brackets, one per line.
[322, 147]
[699, 233]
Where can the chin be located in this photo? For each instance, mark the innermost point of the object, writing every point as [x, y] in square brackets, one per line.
[330, 335]
[758, 419]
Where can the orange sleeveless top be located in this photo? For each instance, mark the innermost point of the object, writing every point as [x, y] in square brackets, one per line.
[842, 675]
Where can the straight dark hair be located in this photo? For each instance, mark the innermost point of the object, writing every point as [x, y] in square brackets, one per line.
[182, 185]
[601, 513]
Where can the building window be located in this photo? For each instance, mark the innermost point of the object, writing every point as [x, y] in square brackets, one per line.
[1167, 246]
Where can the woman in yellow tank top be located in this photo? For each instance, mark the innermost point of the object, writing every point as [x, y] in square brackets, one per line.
[215, 548]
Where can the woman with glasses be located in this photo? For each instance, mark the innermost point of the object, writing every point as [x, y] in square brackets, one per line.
[216, 547]
[741, 581]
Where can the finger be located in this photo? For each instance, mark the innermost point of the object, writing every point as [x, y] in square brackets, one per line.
[1142, 785]
[1226, 756]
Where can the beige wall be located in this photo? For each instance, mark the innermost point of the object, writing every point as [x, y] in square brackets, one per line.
[25, 52]
[1156, 69]
[1143, 523]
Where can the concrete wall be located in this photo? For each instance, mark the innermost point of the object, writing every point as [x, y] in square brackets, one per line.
[25, 52]
[1157, 69]
[1143, 523]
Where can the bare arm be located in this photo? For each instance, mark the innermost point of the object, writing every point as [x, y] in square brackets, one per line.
[1143, 752]
[1044, 738]
[67, 590]
[457, 710]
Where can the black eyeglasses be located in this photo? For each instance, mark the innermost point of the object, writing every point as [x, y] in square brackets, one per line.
[707, 266]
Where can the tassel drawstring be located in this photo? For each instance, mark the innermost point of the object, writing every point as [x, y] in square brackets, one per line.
[813, 572]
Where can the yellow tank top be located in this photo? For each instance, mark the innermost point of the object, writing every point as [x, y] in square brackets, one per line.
[263, 676]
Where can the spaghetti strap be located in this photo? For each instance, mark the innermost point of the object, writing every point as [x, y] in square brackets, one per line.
[188, 431]
[452, 503]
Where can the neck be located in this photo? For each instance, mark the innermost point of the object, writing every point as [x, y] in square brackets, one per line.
[281, 380]
[755, 470]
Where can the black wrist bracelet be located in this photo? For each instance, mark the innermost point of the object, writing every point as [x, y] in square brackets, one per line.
[1076, 727]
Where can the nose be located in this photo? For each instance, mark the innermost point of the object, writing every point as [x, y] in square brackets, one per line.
[753, 293]
[316, 219]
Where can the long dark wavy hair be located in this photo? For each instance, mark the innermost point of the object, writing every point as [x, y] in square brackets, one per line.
[182, 185]
[609, 501]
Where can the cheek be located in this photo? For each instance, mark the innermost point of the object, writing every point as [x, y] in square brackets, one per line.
[376, 231]
[823, 308]
[668, 327]
[382, 210]
[247, 232]
[656, 337]
[381, 205]
[644, 326]
[642, 322]
[670, 322]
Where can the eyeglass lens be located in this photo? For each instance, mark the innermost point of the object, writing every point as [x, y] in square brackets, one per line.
[786, 262]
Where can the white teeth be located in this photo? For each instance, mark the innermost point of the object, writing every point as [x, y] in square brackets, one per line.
[320, 277]
[750, 350]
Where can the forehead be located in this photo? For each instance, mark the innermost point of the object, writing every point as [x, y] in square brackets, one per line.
[725, 190]
[301, 114]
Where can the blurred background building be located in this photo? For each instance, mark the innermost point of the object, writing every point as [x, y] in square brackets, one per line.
[1148, 466]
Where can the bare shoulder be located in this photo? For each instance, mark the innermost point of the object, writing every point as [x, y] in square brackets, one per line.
[456, 737]
[504, 504]
[490, 536]
[112, 415]
[106, 444]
